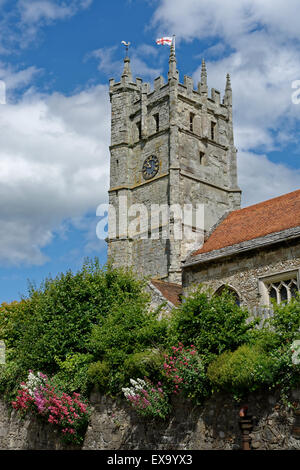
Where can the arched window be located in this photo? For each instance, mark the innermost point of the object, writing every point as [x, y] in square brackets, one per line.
[231, 291]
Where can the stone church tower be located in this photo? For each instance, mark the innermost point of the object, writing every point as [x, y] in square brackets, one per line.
[169, 146]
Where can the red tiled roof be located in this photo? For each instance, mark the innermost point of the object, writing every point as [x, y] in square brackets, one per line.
[256, 221]
[169, 290]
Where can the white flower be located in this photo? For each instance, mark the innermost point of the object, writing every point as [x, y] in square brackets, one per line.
[295, 347]
[133, 382]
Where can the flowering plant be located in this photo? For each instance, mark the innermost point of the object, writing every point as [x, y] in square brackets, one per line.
[147, 399]
[295, 348]
[186, 372]
[68, 413]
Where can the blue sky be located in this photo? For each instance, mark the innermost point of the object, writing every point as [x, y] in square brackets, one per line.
[56, 58]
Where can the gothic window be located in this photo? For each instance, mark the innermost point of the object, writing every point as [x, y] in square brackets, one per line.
[192, 115]
[156, 118]
[282, 291]
[213, 130]
[280, 288]
[231, 291]
[202, 155]
[139, 127]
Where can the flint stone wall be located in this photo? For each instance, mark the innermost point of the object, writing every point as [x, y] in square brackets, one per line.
[215, 425]
[244, 270]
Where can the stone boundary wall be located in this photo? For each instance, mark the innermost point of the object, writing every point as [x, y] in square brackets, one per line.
[215, 425]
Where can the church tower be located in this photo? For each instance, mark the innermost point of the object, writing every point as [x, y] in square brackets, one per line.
[172, 145]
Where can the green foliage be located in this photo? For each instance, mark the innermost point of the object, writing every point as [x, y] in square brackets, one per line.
[148, 399]
[94, 328]
[185, 371]
[98, 375]
[51, 330]
[286, 320]
[128, 329]
[144, 364]
[212, 323]
[265, 339]
[244, 370]
[11, 375]
[73, 373]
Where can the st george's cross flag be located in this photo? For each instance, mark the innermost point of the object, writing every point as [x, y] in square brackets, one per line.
[165, 41]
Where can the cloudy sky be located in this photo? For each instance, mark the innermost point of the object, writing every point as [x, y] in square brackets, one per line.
[56, 58]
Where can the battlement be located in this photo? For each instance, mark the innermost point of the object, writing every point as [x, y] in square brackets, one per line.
[186, 89]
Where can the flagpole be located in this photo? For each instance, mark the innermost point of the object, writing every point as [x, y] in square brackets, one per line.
[174, 41]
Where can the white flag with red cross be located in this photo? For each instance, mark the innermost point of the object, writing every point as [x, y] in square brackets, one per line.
[165, 41]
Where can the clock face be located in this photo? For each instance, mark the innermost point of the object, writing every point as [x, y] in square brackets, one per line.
[150, 167]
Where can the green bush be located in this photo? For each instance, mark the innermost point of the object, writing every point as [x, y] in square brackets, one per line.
[144, 364]
[73, 374]
[98, 375]
[265, 339]
[244, 370]
[286, 320]
[212, 323]
[128, 329]
[52, 329]
[185, 372]
[11, 375]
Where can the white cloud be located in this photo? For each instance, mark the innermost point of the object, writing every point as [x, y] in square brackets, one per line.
[263, 56]
[53, 166]
[139, 67]
[262, 179]
[228, 19]
[17, 79]
[20, 25]
[34, 11]
[261, 76]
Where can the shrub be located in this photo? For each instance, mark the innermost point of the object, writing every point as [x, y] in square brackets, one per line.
[51, 329]
[68, 413]
[98, 374]
[186, 372]
[144, 364]
[244, 370]
[212, 323]
[73, 373]
[286, 320]
[147, 399]
[11, 375]
[127, 330]
[265, 339]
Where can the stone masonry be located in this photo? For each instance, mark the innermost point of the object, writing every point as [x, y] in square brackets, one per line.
[191, 135]
[215, 425]
[245, 271]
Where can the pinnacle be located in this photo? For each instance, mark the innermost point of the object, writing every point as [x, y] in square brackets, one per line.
[172, 62]
[228, 82]
[203, 73]
[127, 70]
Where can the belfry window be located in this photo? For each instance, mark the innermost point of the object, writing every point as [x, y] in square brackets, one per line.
[156, 118]
[139, 127]
[192, 115]
[213, 131]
